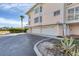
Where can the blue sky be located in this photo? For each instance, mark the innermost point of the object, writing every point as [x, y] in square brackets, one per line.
[10, 12]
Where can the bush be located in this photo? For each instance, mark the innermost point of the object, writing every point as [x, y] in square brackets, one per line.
[17, 30]
[25, 29]
[66, 47]
[70, 47]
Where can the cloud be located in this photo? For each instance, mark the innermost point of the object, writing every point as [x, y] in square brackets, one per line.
[10, 22]
[15, 7]
[13, 11]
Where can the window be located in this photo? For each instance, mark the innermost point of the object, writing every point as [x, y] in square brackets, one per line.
[56, 13]
[70, 17]
[70, 11]
[40, 18]
[36, 10]
[77, 9]
[71, 14]
[77, 13]
[36, 20]
[40, 8]
[77, 17]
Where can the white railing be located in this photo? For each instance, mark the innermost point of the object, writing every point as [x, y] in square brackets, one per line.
[72, 21]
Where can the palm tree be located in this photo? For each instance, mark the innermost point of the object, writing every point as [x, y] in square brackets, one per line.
[21, 18]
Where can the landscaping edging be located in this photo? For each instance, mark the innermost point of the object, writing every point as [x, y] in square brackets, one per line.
[37, 50]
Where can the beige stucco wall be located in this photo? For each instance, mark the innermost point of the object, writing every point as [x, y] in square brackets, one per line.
[74, 29]
[48, 17]
[60, 30]
[47, 14]
[32, 16]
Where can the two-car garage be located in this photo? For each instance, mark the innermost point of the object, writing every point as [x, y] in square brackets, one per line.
[36, 30]
[47, 30]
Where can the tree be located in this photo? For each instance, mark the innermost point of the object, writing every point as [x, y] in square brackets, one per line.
[21, 18]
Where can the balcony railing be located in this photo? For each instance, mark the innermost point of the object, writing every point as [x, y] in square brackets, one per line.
[72, 21]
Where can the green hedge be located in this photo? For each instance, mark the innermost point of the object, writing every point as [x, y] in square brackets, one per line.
[17, 30]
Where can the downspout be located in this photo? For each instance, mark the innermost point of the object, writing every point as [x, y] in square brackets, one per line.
[42, 17]
[64, 22]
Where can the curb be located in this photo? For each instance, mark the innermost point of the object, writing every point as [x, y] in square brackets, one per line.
[36, 49]
[43, 35]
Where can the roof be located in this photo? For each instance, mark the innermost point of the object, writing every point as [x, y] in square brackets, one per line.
[32, 8]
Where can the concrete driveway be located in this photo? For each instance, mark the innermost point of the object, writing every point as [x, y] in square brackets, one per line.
[19, 45]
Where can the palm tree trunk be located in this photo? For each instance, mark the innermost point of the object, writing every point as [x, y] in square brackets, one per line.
[21, 23]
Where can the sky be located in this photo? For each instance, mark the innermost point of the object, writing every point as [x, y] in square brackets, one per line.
[10, 12]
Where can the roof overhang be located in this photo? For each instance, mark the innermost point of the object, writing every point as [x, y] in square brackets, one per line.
[31, 8]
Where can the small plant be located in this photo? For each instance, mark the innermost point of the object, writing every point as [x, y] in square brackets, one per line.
[75, 52]
[67, 45]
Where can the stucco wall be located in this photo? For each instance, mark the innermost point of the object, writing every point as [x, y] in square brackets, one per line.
[74, 29]
[47, 14]
[33, 15]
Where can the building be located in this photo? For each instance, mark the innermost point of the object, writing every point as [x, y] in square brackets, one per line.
[72, 19]
[57, 19]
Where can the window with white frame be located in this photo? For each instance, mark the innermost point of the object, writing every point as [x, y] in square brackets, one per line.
[36, 20]
[56, 13]
[77, 9]
[36, 10]
[40, 8]
[71, 14]
[76, 16]
[70, 11]
[70, 17]
[40, 19]
[77, 13]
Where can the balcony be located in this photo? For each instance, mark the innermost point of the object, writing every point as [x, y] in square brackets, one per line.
[72, 21]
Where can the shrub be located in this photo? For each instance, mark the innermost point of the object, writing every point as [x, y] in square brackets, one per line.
[17, 30]
[67, 45]
[70, 47]
[25, 29]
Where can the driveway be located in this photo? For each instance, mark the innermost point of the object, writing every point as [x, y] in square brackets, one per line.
[19, 45]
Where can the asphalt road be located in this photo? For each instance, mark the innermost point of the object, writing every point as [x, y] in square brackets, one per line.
[19, 45]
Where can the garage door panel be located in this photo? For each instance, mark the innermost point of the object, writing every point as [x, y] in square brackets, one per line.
[36, 30]
[49, 30]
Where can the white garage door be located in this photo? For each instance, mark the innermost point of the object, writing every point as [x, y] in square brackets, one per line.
[36, 30]
[49, 30]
